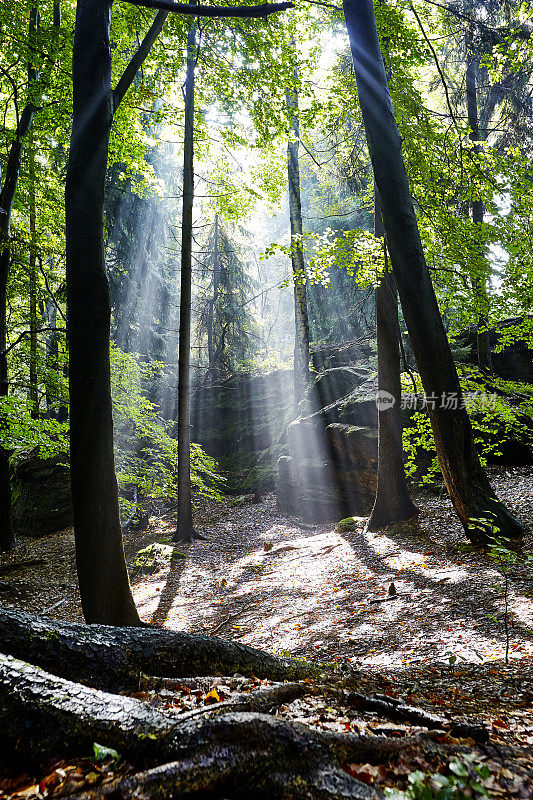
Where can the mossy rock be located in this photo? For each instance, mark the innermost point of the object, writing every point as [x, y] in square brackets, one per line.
[154, 557]
[41, 501]
[348, 524]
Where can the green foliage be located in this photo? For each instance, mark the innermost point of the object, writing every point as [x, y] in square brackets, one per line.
[464, 780]
[145, 449]
[102, 753]
[21, 432]
[494, 414]
[146, 452]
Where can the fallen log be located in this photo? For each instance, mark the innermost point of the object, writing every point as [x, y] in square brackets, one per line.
[113, 658]
[43, 716]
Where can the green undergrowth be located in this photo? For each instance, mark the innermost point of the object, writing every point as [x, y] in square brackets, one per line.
[501, 413]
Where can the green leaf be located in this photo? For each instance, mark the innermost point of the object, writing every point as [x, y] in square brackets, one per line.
[458, 768]
[102, 753]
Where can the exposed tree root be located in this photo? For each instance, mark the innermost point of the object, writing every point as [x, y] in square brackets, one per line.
[246, 754]
[401, 712]
[262, 701]
[109, 657]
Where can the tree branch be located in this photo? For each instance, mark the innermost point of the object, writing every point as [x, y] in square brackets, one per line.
[242, 12]
[138, 58]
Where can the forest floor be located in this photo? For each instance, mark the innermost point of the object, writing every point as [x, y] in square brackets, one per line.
[272, 582]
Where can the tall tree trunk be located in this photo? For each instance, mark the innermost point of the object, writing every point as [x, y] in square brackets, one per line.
[211, 349]
[7, 196]
[392, 503]
[480, 289]
[103, 579]
[301, 321]
[465, 479]
[52, 355]
[185, 531]
[34, 389]
[6, 527]
[57, 14]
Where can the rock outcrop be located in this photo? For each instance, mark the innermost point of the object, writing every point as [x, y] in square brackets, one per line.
[41, 502]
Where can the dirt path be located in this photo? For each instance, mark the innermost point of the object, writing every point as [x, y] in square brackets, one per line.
[272, 582]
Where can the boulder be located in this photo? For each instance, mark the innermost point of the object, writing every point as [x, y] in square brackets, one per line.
[242, 422]
[340, 479]
[41, 501]
[354, 445]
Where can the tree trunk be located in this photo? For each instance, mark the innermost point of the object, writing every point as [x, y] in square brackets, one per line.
[392, 503]
[34, 388]
[301, 321]
[7, 196]
[114, 658]
[484, 358]
[465, 479]
[232, 753]
[211, 349]
[185, 531]
[103, 579]
[6, 528]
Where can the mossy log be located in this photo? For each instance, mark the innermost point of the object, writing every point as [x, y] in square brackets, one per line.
[246, 754]
[112, 658]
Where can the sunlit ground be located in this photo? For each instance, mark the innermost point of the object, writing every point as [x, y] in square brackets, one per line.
[265, 581]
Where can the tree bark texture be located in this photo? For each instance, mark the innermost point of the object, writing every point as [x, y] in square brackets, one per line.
[7, 196]
[301, 321]
[34, 388]
[112, 657]
[392, 503]
[185, 531]
[103, 579]
[247, 754]
[465, 479]
[484, 358]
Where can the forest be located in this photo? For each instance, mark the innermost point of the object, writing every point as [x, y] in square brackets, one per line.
[266, 399]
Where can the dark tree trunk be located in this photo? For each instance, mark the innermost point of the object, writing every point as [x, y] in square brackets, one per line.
[7, 196]
[484, 358]
[185, 531]
[6, 528]
[301, 321]
[465, 479]
[34, 388]
[392, 503]
[114, 658]
[103, 578]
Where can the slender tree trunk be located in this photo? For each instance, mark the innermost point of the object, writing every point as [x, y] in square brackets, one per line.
[103, 579]
[7, 196]
[465, 479]
[57, 14]
[301, 321]
[185, 531]
[480, 290]
[211, 349]
[52, 356]
[392, 503]
[34, 389]
[6, 529]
